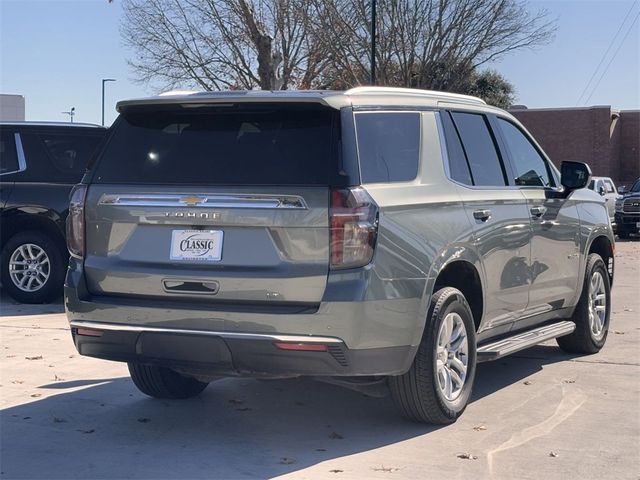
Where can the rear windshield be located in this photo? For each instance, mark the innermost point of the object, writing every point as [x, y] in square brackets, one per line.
[233, 145]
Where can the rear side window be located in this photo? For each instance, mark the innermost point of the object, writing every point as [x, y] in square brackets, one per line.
[480, 149]
[388, 146]
[235, 145]
[69, 153]
[530, 169]
[8, 155]
[458, 164]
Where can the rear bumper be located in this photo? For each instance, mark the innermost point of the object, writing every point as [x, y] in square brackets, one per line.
[211, 353]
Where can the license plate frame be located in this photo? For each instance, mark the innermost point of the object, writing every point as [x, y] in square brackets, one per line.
[196, 245]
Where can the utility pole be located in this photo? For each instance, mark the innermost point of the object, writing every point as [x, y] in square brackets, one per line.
[105, 80]
[373, 42]
[71, 113]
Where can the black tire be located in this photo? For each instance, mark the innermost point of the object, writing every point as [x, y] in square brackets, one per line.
[417, 393]
[161, 382]
[583, 339]
[51, 288]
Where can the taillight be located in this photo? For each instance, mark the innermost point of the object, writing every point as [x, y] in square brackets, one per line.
[75, 221]
[354, 227]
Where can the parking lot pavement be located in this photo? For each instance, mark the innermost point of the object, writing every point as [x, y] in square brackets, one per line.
[541, 414]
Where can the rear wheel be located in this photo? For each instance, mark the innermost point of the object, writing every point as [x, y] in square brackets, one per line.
[161, 382]
[437, 387]
[592, 313]
[33, 267]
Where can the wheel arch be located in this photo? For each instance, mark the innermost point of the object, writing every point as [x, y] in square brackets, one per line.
[48, 222]
[603, 246]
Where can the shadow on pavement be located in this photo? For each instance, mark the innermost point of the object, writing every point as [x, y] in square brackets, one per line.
[11, 308]
[237, 428]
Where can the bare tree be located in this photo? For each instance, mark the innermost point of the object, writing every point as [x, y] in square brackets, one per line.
[215, 44]
[280, 44]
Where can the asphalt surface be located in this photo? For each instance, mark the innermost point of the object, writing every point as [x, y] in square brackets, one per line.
[541, 414]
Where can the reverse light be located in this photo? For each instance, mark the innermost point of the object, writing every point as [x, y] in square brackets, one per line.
[354, 227]
[75, 221]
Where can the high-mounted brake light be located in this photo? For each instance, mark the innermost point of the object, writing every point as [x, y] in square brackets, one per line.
[354, 228]
[75, 221]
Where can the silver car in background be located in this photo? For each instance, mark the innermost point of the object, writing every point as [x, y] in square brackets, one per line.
[374, 237]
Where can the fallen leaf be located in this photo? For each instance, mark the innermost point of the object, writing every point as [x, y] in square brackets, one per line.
[553, 454]
[56, 339]
[86, 431]
[56, 378]
[9, 356]
[617, 332]
[26, 418]
[17, 381]
[144, 420]
[71, 356]
[479, 428]
[233, 401]
[37, 357]
[243, 409]
[336, 470]
[58, 420]
[527, 382]
[287, 461]
[321, 449]
[569, 381]
[382, 468]
[467, 456]
[36, 395]
[335, 436]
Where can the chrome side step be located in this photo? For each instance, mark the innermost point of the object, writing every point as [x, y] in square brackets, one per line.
[520, 341]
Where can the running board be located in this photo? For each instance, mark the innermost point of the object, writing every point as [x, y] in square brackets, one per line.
[507, 346]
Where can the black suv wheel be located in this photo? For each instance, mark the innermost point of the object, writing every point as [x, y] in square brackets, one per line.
[33, 267]
[161, 382]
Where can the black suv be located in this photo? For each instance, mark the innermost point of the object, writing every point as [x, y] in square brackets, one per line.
[39, 163]
[628, 210]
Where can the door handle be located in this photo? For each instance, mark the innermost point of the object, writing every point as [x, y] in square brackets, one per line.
[538, 211]
[482, 215]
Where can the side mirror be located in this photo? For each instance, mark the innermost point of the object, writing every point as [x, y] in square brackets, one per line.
[574, 175]
[602, 191]
[622, 190]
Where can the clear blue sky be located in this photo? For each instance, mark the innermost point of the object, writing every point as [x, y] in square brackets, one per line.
[55, 53]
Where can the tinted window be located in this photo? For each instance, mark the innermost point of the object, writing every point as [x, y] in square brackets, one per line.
[530, 168]
[608, 185]
[62, 160]
[458, 165]
[8, 155]
[388, 146]
[244, 145]
[480, 149]
[69, 153]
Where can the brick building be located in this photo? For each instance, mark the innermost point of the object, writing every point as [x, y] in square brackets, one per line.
[607, 139]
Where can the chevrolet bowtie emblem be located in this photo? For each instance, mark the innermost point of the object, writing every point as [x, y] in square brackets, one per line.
[192, 200]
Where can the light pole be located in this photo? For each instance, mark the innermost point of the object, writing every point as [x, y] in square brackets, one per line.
[373, 42]
[71, 113]
[105, 80]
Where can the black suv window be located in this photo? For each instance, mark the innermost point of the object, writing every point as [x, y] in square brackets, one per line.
[68, 153]
[480, 149]
[8, 155]
[530, 169]
[388, 146]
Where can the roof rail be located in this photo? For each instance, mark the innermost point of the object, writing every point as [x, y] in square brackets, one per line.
[414, 91]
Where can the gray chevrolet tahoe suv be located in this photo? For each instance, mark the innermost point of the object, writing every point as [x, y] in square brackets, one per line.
[373, 237]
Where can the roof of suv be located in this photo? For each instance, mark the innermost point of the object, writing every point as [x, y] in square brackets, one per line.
[49, 124]
[359, 96]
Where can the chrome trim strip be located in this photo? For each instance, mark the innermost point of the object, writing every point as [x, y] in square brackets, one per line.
[22, 161]
[237, 335]
[205, 201]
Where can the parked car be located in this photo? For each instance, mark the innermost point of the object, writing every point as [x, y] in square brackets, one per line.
[628, 211]
[39, 164]
[372, 237]
[605, 187]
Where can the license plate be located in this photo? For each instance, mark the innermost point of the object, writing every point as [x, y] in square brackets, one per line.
[196, 245]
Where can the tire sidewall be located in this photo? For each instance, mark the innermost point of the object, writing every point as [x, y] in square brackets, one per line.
[52, 288]
[454, 302]
[596, 264]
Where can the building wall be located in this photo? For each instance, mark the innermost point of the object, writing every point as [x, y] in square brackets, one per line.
[606, 139]
[11, 108]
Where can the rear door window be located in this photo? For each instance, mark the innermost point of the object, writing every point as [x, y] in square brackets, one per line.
[69, 153]
[480, 149]
[388, 146]
[245, 144]
[530, 168]
[458, 165]
[8, 154]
